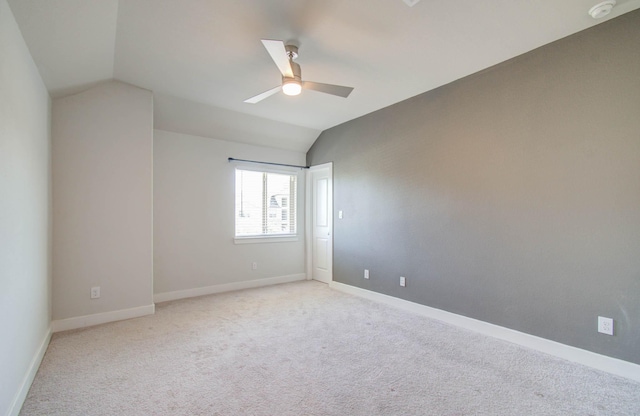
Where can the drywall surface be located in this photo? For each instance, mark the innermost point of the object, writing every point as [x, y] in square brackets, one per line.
[25, 306]
[511, 196]
[102, 200]
[194, 200]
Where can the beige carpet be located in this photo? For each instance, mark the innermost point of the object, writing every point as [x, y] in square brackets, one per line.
[304, 349]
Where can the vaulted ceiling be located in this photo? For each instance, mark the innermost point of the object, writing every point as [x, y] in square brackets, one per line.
[203, 58]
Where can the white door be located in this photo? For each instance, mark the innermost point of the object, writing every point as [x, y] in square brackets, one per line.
[321, 223]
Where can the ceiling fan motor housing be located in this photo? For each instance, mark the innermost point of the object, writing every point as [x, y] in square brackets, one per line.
[292, 53]
[297, 72]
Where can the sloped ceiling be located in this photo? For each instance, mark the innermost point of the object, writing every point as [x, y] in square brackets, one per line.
[203, 58]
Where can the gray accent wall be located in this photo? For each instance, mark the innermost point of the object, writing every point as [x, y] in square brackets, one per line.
[511, 196]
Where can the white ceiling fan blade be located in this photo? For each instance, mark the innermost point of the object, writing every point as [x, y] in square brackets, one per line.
[338, 90]
[279, 55]
[262, 96]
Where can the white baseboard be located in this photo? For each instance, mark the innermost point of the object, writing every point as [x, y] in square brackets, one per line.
[101, 318]
[227, 287]
[567, 352]
[19, 398]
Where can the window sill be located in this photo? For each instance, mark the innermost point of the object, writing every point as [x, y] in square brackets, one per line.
[265, 239]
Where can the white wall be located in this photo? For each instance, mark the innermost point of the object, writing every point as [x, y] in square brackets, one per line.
[102, 155]
[194, 216]
[24, 215]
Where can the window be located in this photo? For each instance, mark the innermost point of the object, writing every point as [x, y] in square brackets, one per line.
[265, 203]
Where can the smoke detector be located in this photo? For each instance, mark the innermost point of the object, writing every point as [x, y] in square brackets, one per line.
[602, 9]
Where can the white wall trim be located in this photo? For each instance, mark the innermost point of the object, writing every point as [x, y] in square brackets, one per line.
[21, 395]
[577, 355]
[101, 318]
[227, 287]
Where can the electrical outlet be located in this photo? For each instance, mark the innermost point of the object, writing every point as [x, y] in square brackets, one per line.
[605, 325]
[95, 292]
[403, 281]
[366, 273]
[254, 266]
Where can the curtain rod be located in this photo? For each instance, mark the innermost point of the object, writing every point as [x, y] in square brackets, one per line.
[268, 163]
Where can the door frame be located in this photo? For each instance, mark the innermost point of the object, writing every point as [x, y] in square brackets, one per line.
[309, 216]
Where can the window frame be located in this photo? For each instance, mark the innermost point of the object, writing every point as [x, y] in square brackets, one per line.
[268, 238]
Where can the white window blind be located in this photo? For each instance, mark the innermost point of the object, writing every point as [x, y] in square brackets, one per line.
[265, 203]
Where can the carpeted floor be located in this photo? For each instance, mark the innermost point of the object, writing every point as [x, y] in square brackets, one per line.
[304, 349]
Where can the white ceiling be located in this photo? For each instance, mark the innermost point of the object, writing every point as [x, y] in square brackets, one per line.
[203, 58]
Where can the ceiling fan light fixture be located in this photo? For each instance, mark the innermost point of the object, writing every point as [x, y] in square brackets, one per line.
[291, 86]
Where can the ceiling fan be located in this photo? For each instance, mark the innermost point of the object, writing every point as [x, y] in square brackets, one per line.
[292, 83]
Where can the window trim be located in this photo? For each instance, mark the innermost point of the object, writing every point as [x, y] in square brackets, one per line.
[284, 238]
[269, 238]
